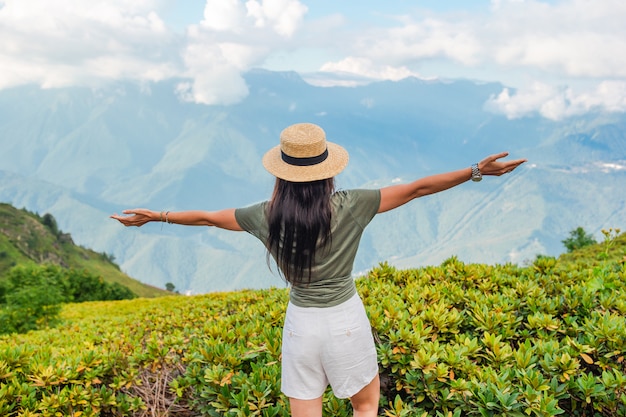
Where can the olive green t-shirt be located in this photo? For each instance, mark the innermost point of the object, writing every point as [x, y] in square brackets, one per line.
[331, 274]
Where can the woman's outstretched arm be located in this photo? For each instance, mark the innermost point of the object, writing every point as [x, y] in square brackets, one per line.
[224, 219]
[397, 195]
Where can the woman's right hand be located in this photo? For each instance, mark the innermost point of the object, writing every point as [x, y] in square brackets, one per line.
[138, 217]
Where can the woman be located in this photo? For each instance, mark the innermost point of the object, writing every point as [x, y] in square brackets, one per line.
[313, 234]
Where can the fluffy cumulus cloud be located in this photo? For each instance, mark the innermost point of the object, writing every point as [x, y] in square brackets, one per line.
[367, 68]
[570, 41]
[283, 16]
[74, 42]
[556, 103]
[415, 40]
[578, 38]
[68, 42]
[526, 44]
[233, 37]
[529, 42]
[400, 49]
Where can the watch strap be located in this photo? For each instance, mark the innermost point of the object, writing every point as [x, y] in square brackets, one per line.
[476, 175]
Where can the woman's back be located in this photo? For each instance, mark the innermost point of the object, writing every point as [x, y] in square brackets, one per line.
[331, 271]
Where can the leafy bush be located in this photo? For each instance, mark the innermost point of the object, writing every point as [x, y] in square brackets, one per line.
[30, 305]
[453, 340]
[31, 295]
[479, 340]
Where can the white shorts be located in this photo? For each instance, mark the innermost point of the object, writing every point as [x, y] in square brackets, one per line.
[322, 346]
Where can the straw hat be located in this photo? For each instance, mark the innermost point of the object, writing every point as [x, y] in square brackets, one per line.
[305, 155]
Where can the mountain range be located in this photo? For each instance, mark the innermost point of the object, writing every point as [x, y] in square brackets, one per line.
[82, 154]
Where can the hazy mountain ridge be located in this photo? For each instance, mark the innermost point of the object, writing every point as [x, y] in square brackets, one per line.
[82, 155]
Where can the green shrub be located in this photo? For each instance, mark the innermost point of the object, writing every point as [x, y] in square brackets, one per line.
[453, 340]
[32, 300]
[31, 295]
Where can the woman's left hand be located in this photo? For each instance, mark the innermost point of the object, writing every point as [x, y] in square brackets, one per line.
[491, 166]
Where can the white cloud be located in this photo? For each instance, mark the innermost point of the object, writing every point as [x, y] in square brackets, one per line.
[232, 38]
[570, 41]
[425, 39]
[224, 15]
[75, 42]
[397, 51]
[284, 16]
[69, 42]
[557, 103]
[366, 68]
[575, 38]
[526, 44]
[212, 69]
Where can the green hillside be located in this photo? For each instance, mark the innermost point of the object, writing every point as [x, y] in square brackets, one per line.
[453, 340]
[27, 238]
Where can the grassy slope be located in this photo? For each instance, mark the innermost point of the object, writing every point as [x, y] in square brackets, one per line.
[24, 239]
[611, 248]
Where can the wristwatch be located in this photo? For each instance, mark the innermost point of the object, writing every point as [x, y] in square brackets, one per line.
[476, 175]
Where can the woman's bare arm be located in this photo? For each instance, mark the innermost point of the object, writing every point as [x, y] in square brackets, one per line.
[397, 195]
[224, 219]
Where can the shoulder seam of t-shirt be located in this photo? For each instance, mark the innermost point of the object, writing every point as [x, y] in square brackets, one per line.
[253, 232]
[356, 220]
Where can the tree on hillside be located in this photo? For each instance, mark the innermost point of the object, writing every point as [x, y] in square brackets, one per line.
[577, 239]
[50, 222]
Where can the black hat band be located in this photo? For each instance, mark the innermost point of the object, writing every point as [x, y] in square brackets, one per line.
[304, 162]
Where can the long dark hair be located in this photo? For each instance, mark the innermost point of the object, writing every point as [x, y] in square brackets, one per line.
[299, 216]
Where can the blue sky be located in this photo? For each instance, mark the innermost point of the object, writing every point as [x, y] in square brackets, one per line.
[555, 58]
